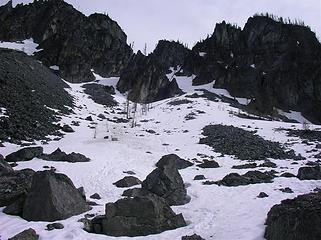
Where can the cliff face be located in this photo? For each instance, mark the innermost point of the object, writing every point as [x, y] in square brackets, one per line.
[67, 38]
[145, 76]
[276, 64]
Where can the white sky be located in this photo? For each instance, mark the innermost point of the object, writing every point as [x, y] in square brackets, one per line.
[147, 21]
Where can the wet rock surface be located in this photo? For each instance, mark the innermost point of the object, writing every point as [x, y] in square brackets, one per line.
[295, 219]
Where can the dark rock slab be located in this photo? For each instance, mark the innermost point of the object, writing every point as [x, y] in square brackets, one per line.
[61, 156]
[295, 219]
[24, 154]
[176, 160]
[28, 234]
[309, 173]
[52, 197]
[127, 181]
[165, 181]
[138, 216]
[208, 164]
[245, 166]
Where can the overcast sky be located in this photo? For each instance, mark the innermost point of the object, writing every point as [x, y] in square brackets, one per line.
[147, 21]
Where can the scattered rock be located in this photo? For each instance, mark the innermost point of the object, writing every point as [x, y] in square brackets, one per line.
[192, 237]
[29, 234]
[61, 156]
[295, 219]
[176, 160]
[52, 197]
[24, 154]
[95, 196]
[127, 181]
[208, 164]
[309, 173]
[53, 226]
[199, 177]
[262, 195]
[165, 181]
[245, 145]
[286, 190]
[138, 216]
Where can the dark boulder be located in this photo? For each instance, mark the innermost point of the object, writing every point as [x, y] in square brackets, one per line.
[262, 195]
[138, 216]
[28, 234]
[127, 181]
[61, 156]
[52, 197]
[208, 164]
[251, 177]
[15, 185]
[193, 237]
[176, 160]
[95, 196]
[25, 154]
[165, 181]
[295, 219]
[199, 177]
[66, 128]
[287, 175]
[53, 226]
[309, 173]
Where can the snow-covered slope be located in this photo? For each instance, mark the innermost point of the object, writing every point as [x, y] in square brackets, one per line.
[215, 212]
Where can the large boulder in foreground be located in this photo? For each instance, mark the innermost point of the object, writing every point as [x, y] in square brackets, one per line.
[52, 197]
[176, 160]
[24, 154]
[295, 219]
[138, 216]
[165, 181]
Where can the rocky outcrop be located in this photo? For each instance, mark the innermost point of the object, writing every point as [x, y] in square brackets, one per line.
[67, 38]
[166, 182]
[24, 154]
[295, 219]
[138, 216]
[52, 197]
[145, 76]
[274, 63]
[145, 80]
[29, 91]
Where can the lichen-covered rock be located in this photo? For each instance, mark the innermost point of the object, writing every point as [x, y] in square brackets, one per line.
[295, 219]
